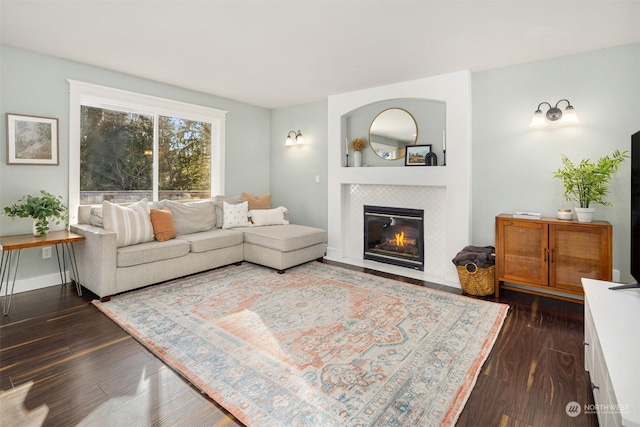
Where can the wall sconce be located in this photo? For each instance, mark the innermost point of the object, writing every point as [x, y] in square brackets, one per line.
[554, 114]
[297, 138]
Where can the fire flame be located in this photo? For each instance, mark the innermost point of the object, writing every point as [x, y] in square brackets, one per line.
[400, 239]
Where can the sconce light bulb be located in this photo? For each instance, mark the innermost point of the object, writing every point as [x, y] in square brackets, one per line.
[570, 116]
[291, 138]
[538, 120]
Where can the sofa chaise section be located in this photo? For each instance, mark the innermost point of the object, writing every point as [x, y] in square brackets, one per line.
[283, 246]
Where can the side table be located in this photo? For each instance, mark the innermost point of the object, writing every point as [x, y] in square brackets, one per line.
[12, 245]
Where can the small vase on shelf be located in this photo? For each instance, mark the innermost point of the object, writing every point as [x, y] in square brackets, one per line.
[357, 159]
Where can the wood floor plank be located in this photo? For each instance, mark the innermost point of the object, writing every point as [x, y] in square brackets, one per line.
[87, 371]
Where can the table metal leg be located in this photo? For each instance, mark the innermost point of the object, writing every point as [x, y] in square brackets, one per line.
[62, 266]
[68, 253]
[74, 267]
[5, 277]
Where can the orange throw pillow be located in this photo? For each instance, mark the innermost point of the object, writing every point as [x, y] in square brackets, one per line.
[162, 222]
[257, 202]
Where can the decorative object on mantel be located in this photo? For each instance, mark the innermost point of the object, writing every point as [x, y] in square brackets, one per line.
[554, 114]
[307, 348]
[357, 145]
[32, 140]
[432, 159]
[296, 139]
[391, 131]
[444, 148]
[346, 140]
[417, 155]
[588, 182]
[44, 210]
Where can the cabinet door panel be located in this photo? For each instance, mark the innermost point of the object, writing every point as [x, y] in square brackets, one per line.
[577, 252]
[524, 252]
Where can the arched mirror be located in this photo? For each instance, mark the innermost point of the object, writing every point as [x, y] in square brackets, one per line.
[390, 133]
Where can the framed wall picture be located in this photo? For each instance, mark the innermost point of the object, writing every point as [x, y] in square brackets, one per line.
[32, 140]
[417, 155]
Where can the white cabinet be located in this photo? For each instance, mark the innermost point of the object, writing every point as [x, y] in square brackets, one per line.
[612, 352]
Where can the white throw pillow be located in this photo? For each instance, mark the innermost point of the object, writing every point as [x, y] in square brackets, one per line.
[235, 215]
[273, 216]
[132, 223]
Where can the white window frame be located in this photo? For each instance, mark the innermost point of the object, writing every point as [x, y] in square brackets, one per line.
[82, 93]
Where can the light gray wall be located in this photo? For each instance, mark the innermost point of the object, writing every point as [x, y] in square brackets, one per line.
[35, 84]
[294, 168]
[513, 164]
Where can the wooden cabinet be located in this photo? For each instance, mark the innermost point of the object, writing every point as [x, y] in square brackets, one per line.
[551, 256]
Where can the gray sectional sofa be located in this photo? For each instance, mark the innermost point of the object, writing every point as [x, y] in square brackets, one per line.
[106, 268]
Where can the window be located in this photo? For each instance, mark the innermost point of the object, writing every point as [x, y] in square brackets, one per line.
[127, 146]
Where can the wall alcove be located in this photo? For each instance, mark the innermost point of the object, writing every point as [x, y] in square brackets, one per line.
[429, 116]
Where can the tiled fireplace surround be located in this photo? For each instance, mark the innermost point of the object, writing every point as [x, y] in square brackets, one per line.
[442, 192]
[430, 199]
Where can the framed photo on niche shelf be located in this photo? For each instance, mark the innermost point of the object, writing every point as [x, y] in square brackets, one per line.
[417, 155]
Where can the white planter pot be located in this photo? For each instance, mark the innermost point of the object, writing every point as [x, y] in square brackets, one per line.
[35, 231]
[584, 214]
[357, 159]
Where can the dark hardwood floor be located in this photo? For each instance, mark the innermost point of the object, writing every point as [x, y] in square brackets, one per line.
[64, 363]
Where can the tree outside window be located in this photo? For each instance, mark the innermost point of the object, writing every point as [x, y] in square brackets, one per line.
[117, 161]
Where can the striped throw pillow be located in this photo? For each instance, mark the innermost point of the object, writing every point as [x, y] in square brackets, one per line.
[132, 223]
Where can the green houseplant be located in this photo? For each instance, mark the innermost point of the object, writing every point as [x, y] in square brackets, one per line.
[43, 209]
[587, 182]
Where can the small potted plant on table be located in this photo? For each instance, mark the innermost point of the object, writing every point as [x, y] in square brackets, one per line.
[587, 182]
[44, 210]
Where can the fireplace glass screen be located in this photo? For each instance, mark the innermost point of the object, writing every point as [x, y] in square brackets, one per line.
[394, 236]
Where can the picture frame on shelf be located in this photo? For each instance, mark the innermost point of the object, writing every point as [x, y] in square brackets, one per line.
[32, 140]
[416, 155]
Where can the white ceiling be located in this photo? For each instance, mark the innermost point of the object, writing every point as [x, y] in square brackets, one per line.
[280, 53]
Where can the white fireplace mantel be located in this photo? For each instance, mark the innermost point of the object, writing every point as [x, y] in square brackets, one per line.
[454, 179]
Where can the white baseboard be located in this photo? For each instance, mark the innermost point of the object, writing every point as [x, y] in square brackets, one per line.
[34, 283]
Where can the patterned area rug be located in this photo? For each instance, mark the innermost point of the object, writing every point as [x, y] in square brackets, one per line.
[317, 346]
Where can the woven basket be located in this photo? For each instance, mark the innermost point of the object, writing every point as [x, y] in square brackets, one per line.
[476, 281]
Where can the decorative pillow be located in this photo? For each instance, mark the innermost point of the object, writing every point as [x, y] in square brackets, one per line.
[96, 216]
[131, 224]
[257, 202]
[162, 222]
[235, 215]
[192, 217]
[273, 216]
[219, 207]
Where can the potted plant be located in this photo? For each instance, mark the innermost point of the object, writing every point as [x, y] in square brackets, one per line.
[44, 209]
[588, 182]
[357, 145]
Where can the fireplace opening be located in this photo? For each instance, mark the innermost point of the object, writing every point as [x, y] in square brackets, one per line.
[394, 236]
